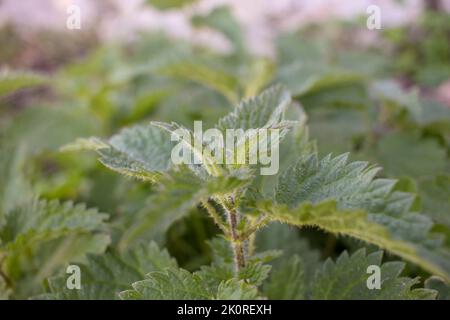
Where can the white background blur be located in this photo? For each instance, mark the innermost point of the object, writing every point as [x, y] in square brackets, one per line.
[261, 19]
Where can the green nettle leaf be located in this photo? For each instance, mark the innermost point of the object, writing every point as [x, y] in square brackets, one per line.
[236, 290]
[179, 284]
[191, 142]
[348, 278]
[403, 154]
[317, 85]
[14, 189]
[344, 198]
[171, 284]
[326, 215]
[103, 277]
[11, 81]
[263, 111]
[38, 237]
[293, 271]
[40, 219]
[287, 282]
[140, 151]
[435, 196]
[278, 236]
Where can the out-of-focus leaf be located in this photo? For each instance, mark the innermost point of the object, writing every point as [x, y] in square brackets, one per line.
[202, 71]
[169, 4]
[436, 283]
[48, 128]
[403, 154]
[336, 130]
[435, 196]
[347, 96]
[287, 281]
[14, 188]
[222, 20]
[390, 91]
[260, 73]
[311, 81]
[293, 271]
[40, 236]
[11, 81]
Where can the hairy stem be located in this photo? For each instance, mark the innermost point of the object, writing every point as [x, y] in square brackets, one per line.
[215, 216]
[238, 247]
[237, 243]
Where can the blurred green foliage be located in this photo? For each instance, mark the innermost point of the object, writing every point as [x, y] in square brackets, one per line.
[426, 44]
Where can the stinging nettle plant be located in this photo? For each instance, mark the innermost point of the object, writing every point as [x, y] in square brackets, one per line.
[338, 196]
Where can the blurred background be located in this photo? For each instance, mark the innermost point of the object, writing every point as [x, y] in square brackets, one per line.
[262, 20]
[35, 33]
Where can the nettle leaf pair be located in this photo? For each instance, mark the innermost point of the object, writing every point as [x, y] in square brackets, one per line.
[333, 194]
[148, 152]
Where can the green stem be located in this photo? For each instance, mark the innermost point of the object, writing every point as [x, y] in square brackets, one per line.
[215, 216]
[236, 240]
[238, 248]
